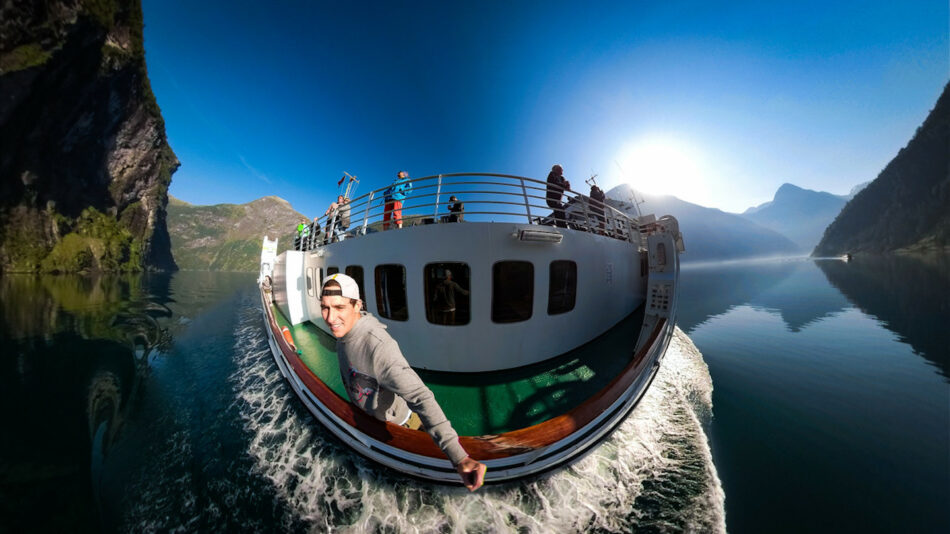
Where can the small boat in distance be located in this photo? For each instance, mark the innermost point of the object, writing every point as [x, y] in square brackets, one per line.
[558, 334]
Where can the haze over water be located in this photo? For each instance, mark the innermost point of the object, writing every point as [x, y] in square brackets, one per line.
[152, 403]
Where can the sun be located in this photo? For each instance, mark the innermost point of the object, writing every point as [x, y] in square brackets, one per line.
[663, 166]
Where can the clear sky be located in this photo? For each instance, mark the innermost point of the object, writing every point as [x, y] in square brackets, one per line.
[718, 103]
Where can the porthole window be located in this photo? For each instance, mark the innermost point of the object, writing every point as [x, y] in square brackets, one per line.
[447, 288]
[310, 281]
[391, 302]
[356, 273]
[512, 292]
[562, 287]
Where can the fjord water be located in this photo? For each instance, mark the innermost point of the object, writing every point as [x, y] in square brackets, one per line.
[144, 403]
[831, 391]
[152, 403]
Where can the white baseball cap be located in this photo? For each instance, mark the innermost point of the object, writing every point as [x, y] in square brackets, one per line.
[348, 287]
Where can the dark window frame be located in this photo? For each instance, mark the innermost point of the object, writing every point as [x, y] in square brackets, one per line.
[359, 280]
[400, 313]
[513, 316]
[458, 317]
[310, 283]
[557, 307]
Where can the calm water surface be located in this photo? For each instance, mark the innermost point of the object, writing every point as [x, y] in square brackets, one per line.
[152, 403]
[831, 393]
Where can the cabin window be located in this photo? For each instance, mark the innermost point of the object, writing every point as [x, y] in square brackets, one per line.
[332, 270]
[319, 280]
[512, 292]
[562, 287]
[356, 273]
[447, 287]
[391, 301]
[310, 281]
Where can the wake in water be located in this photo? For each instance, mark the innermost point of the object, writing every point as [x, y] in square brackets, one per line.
[655, 473]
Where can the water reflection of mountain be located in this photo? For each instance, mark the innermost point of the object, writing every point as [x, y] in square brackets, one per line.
[909, 294]
[795, 289]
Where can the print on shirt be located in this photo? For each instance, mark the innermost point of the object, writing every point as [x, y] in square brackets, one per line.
[361, 387]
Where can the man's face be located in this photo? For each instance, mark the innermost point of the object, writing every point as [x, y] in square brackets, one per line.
[339, 314]
[403, 174]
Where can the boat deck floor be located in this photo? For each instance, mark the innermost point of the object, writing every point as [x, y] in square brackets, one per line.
[499, 401]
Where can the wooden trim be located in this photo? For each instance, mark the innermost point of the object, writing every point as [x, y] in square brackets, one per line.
[485, 447]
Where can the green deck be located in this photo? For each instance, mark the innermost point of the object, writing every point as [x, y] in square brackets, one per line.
[497, 402]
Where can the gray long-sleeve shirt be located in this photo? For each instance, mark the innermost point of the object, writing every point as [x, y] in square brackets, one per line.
[380, 381]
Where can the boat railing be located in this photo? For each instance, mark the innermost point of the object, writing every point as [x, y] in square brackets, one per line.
[486, 197]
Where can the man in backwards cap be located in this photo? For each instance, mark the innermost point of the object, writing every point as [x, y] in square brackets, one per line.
[378, 378]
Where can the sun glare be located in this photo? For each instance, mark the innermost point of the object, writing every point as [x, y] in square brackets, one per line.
[663, 166]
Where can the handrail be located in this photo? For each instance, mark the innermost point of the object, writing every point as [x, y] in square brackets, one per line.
[490, 192]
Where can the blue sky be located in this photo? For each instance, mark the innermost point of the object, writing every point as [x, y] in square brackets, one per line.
[717, 103]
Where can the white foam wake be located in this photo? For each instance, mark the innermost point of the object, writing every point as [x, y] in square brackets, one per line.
[655, 472]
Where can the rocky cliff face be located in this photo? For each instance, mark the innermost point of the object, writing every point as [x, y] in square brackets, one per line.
[227, 237]
[907, 207]
[85, 165]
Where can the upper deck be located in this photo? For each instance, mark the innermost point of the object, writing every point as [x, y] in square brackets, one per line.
[486, 197]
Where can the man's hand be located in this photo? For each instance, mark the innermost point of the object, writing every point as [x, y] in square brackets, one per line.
[472, 473]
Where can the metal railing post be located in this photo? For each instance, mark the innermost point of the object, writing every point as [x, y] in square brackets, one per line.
[438, 191]
[524, 192]
[369, 202]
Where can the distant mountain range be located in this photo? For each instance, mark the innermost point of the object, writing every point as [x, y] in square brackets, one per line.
[799, 214]
[907, 207]
[227, 237]
[710, 234]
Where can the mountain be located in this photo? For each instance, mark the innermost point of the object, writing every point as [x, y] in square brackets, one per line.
[227, 237]
[799, 214]
[907, 207]
[710, 234]
[85, 163]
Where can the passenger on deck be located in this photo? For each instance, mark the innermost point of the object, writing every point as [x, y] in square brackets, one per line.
[303, 232]
[379, 380]
[394, 195]
[456, 210]
[338, 218]
[556, 186]
[597, 199]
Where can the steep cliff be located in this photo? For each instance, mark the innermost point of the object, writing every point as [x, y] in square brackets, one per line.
[227, 237]
[85, 164]
[907, 207]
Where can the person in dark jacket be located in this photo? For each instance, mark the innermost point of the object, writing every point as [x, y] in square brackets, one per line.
[556, 186]
[444, 299]
[456, 209]
[597, 199]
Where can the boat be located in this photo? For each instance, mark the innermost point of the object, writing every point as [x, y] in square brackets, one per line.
[560, 334]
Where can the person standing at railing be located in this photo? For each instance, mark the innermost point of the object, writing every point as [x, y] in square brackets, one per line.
[456, 209]
[303, 232]
[557, 184]
[597, 199]
[394, 195]
[338, 217]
